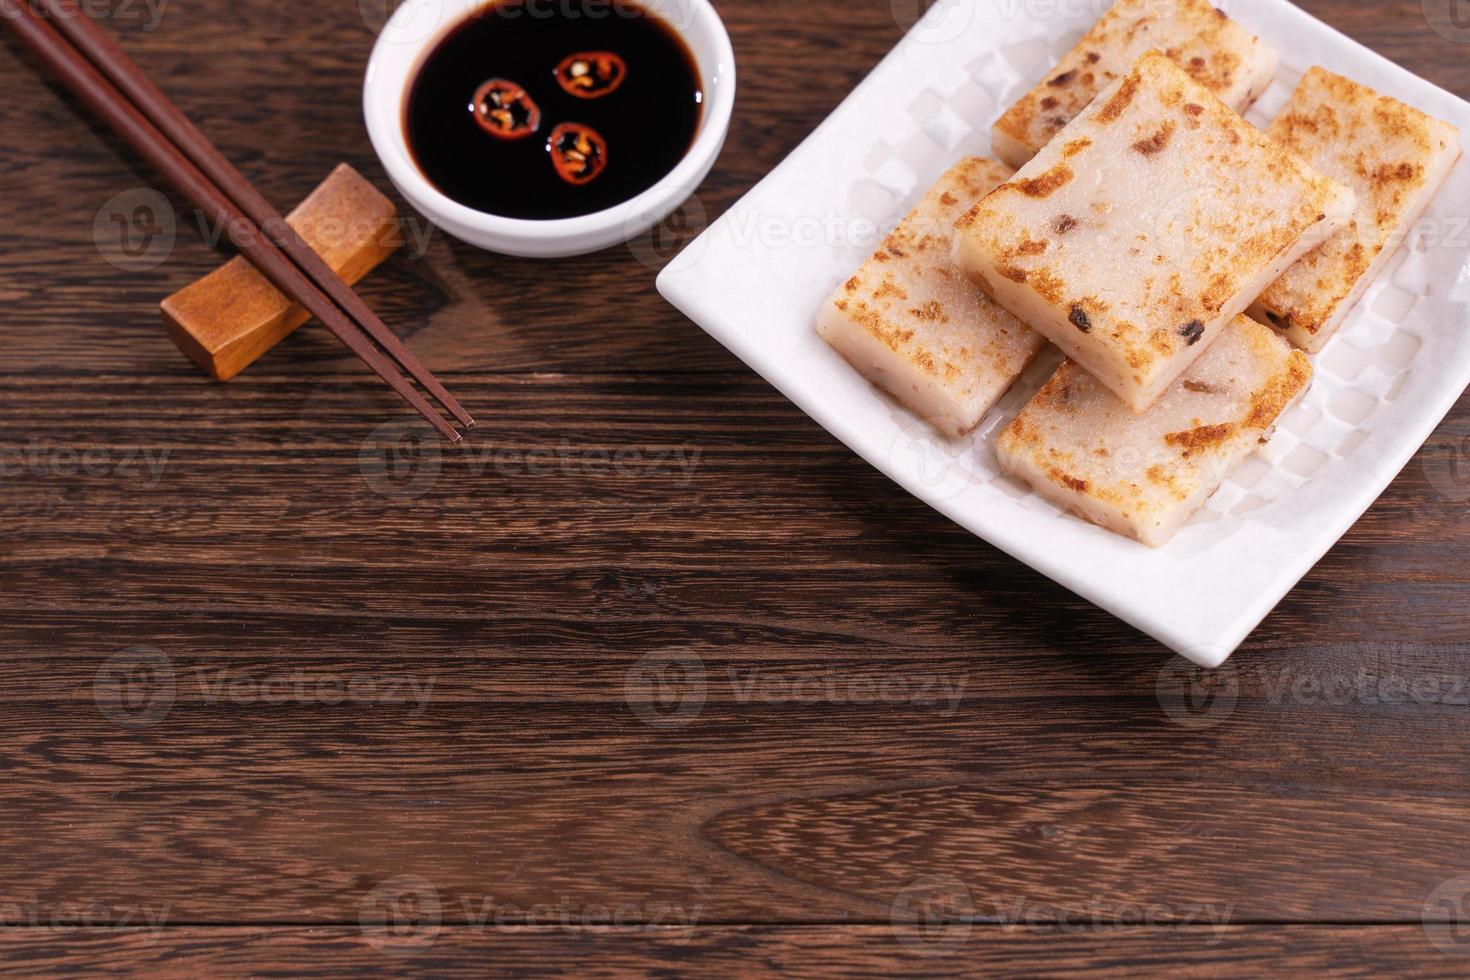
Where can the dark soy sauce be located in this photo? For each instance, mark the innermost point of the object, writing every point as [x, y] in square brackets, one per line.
[648, 121]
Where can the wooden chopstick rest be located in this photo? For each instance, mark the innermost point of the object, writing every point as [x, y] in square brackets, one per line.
[225, 321]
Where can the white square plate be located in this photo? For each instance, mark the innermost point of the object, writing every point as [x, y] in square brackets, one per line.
[757, 277]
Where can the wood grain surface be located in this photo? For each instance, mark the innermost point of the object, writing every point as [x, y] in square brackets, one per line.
[654, 675]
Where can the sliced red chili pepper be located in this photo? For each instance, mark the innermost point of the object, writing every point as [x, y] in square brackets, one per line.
[578, 152]
[591, 74]
[505, 111]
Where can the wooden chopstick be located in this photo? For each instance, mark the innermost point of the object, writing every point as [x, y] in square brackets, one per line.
[78, 74]
[124, 73]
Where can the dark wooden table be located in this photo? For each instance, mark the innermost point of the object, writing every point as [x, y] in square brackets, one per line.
[655, 674]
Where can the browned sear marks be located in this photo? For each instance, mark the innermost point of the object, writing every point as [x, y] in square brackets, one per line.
[1063, 224]
[1195, 441]
[1153, 144]
[1069, 481]
[890, 288]
[1043, 186]
[1271, 400]
[1121, 100]
[1079, 318]
[1046, 285]
[1388, 173]
[1075, 147]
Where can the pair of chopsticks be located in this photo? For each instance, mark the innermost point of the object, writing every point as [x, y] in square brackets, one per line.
[90, 63]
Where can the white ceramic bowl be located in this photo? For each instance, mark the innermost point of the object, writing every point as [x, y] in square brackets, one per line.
[414, 30]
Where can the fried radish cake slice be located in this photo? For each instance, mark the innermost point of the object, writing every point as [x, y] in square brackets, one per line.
[1216, 52]
[1152, 220]
[910, 323]
[1393, 156]
[1144, 475]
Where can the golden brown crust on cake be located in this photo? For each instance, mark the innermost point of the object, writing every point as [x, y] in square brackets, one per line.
[911, 323]
[1268, 402]
[1194, 208]
[1043, 186]
[1391, 154]
[1216, 52]
[1195, 441]
[1143, 475]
